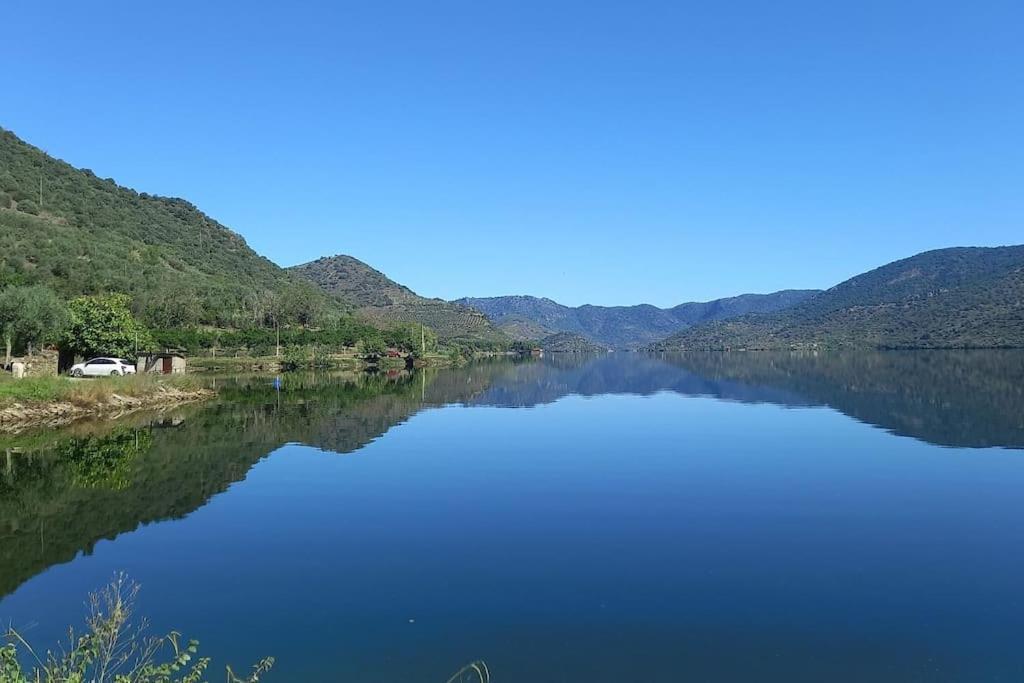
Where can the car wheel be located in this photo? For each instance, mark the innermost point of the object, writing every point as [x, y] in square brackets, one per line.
[76, 373]
[114, 373]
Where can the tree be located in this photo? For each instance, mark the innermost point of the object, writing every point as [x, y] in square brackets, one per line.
[373, 346]
[173, 307]
[299, 304]
[103, 325]
[412, 337]
[30, 316]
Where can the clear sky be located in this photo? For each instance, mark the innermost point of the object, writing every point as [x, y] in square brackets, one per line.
[588, 151]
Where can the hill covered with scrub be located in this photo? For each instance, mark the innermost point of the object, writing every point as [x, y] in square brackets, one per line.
[962, 297]
[383, 301]
[192, 279]
[78, 234]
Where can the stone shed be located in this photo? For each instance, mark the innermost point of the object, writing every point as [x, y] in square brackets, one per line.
[165, 363]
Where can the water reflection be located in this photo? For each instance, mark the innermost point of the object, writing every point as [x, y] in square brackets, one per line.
[61, 492]
[948, 398]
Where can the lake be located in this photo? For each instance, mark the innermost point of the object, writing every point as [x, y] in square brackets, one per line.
[626, 517]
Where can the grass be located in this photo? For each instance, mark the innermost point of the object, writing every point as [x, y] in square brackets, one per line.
[114, 647]
[85, 392]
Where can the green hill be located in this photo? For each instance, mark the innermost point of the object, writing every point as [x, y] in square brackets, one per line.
[384, 301]
[965, 297]
[79, 234]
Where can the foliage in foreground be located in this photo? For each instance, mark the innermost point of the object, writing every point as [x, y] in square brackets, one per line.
[114, 649]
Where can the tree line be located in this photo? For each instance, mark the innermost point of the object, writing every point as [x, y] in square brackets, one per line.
[34, 316]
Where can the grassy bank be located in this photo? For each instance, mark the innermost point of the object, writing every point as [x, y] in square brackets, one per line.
[54, 401]
[87, 392]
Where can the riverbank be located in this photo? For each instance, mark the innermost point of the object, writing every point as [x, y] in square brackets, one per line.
[334, 361]
[55, 401]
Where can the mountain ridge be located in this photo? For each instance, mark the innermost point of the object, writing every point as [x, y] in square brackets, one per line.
[621, 327]
[381, 300]
[957, 297]
[68, 229]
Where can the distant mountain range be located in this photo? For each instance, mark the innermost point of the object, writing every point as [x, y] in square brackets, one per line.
[620, 327]
[76, 233]
[948, 298]
[383, 301]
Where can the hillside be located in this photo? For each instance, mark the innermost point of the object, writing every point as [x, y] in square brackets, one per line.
[79, 234]
[384, 301]
[523, 329]
[948, 298]
[621, 327]
[568, 342]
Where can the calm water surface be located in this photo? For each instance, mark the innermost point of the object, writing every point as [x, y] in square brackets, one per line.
[727, 517]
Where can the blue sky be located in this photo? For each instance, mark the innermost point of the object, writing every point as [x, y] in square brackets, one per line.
[591, 152]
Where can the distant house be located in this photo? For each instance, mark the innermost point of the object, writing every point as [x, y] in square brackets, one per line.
[165, 363]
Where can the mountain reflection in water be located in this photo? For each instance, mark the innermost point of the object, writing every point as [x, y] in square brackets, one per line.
[61, 492]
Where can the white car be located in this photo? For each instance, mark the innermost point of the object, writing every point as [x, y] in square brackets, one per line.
[102, 367]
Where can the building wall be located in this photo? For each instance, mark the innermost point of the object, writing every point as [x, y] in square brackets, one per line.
[156, 364]
[39, 364]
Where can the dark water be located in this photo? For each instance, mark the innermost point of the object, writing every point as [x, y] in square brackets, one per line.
[729, 517]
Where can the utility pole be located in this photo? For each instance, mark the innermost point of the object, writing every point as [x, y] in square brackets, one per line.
[423, 340]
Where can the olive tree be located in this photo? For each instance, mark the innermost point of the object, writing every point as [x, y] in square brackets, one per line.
[30, 316]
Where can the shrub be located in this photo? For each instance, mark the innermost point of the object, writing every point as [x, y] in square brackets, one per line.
[28, 206]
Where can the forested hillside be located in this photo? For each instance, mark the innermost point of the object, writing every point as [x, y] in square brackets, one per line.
[948, 298]
[384, 301]
[569, 342]
[76, 233]
[622, 327]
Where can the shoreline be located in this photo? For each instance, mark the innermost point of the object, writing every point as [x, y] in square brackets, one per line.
[20, 415]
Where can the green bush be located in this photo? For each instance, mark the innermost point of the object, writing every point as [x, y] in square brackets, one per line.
[28, 206]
